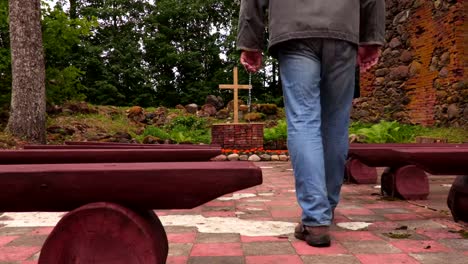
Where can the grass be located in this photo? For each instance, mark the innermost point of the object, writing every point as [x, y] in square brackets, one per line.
[110, 120]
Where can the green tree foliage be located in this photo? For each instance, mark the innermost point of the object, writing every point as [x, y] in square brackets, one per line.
[112, 58]
[5, 56]
[140, 52]
[184, 40]
[61, 35]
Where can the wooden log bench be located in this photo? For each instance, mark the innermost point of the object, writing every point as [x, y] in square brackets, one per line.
[110, 203]
[407, 164]
[114, 145]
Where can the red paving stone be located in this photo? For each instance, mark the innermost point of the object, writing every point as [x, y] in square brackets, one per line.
[354, 236]
[428, 227]
[303, 249]
[177, 260]
[181, 237]
[17, 253]
[293, 259]
[386, 259]
[6, 239]
[419, 246]
[218, 249]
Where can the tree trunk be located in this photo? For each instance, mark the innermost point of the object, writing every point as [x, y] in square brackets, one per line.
[28, 98]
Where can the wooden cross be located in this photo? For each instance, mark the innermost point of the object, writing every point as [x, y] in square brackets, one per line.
[236, 86]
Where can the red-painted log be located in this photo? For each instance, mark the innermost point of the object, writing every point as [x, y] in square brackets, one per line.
[389, 155]
[116, 144]
[408, 182]
[134, 146]
[359, 173]
[43, 156]
[106, 233]
[378, 157]
[440, 160]
[457, 199]
[172, 185]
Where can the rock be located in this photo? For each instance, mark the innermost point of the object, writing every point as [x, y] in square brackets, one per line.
[209, 109]
[79, 108]
[150, 140]
[66, 131]
[401, 17]
[215, 101]
[136, 114]
[254, 157]
[233, 157]
[443, 73]
[244, 108]
[441, 95]
[283, 158]
[394, 43]
[53, 109]
[122, 137]
[252, 117]
[180, 107]
[399, 73]
[444, 59]
[465, 113]
[202, 113]
[275, 158]
[222, 114]
[453, 111]
[265, 157]
[220, 158]
[459, 86]
[453, 99]
[160, 115]
[243, 157]
[434, 63]
[267, 109]
[381, 72]
[406, 56]
[230, 105]
[437, 84]
[386, 52]
[170, 117]
[149, 117]
[191, 108]
[415, 68]
[379, 81]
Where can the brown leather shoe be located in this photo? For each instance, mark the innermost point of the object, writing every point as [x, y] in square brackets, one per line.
[316, 236]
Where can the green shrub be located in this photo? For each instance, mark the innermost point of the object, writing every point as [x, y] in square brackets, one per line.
[156, 132]
[279, 132]
[188, 121]
[386, 132]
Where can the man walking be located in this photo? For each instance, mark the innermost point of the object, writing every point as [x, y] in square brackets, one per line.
[318, 44]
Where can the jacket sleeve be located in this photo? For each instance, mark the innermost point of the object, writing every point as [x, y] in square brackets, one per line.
[251, 32]
[372, 22]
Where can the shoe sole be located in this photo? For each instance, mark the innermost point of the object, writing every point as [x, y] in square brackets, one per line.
[323, 241]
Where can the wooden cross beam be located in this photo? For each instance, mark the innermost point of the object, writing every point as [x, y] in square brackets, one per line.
[236, 86]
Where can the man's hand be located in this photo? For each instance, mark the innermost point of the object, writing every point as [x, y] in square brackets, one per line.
[252, 60]
[368, 56]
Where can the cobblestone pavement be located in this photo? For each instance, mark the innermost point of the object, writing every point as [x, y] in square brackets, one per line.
[255, 226]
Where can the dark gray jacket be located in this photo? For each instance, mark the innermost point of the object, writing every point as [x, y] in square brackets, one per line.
[356, 21]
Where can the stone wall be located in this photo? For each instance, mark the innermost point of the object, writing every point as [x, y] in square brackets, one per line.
[237, 136]
[422, 75]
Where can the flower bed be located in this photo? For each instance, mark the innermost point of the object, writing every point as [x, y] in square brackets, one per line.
[253, 154]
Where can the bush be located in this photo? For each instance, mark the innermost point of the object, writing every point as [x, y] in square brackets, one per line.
[386, 132]
[279, 132]
[188, 121]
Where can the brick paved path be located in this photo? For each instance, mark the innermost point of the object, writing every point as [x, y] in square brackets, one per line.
[255, 227]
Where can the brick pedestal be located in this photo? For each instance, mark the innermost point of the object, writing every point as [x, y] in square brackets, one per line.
[237, 136]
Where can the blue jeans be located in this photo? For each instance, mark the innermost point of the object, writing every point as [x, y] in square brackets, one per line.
[318, 78]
